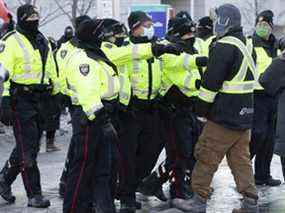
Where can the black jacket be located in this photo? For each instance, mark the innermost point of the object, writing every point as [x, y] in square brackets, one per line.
[233, 111]
[273, 82]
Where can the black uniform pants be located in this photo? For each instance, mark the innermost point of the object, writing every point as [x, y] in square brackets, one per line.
[52, 117]
[29, 110]
[88, 180]
[70, 150]
[183, 130]
[140, 146]
[263, 133]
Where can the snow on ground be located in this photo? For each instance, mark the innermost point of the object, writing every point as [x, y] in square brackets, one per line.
[224, 199]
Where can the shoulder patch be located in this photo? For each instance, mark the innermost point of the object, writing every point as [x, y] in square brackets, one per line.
[84, 69]
[109, 46]
[2, 47]
[7, 35]
[63, 53]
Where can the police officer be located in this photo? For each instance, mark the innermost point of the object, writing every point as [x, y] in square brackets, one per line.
[205, 31]
[68, 34]
[26, 55]
[179, 90]
[90, 73]
[53, 106]
[140, 142]
[228, 81]
[199, 42]
[272, 80]
[205, 28]
[118, 55]
[265, 106]
[62, 55]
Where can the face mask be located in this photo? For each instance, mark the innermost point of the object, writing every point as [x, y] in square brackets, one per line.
[30, 26]
[148, 32]
[263, 30]
[204, 33]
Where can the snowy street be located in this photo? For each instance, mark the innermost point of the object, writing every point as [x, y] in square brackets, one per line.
[224, 199]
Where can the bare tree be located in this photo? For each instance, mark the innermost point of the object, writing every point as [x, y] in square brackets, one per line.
[250, 10]
[47, 10]
[74, 8]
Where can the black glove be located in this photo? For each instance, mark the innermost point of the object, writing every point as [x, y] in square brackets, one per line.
[160, 49]
[62, 100]
[202, 61]
[7, 114]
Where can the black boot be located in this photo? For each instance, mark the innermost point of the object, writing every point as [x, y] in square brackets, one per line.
[6, 192]
[128, 206]
[61, 190]
[248, 205]
[152, 186]
[138, 205]
[268, 182]
[50, 146]
[38, 201]
[180, 188]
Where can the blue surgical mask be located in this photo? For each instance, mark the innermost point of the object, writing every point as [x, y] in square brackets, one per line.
[148, 32]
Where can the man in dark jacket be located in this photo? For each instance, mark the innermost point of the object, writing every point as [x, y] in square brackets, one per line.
[226, 100]
[273, 82]
[265, 106]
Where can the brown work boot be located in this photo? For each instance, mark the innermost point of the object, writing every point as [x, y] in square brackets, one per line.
[50, 146]
[248, 205]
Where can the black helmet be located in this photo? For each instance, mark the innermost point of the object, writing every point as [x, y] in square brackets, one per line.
[113, 27]
[184, 14]
[178, 27]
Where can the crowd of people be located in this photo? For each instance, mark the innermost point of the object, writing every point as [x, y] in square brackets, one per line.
[203, 93]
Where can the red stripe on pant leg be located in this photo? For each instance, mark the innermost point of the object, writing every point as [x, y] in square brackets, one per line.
[173, 142]
[20, 141]
[83, 164]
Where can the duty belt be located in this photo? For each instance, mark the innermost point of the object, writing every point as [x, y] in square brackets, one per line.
[139, 104]
[29, 89]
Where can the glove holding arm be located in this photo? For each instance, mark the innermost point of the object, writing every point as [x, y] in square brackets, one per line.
[160, 49]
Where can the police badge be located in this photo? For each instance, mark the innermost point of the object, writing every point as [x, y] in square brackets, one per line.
[63, 53]
[84, 69]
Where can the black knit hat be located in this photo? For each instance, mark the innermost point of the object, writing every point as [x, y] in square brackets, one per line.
[90, 30]
[80, 19]
[136, 18]
[267, 16]
[25, 11]
[206, 22]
